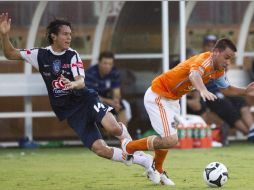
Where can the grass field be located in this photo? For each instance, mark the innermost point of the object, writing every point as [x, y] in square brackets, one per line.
[76, 168]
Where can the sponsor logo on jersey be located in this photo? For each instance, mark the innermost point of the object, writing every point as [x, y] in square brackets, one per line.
[59, 88]
[60, 92]
[58, 83]
[78, 64]
[56, 66]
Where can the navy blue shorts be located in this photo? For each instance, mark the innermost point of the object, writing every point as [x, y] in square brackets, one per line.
[83, 122]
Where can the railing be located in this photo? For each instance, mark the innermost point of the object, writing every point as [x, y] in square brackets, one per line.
[12, 85]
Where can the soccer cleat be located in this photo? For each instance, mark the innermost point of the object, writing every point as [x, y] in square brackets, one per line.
[149, 160]
[164, 179]
[127, 159]
[152, 174]
[141, 153]
[251, 135]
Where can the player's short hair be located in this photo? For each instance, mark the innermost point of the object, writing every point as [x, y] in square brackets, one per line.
[223, 43]
[106, 54]
[54, 28]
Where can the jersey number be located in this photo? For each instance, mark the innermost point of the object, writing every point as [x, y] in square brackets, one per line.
[98, 106]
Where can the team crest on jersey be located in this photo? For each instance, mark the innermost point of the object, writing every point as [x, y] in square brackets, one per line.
[108, 83]
[56, 66]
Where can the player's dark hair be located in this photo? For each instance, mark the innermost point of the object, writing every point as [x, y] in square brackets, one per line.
[54, 28]
[223, 43]
[106, 54]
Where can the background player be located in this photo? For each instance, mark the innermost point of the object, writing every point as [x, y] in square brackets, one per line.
[104, 77]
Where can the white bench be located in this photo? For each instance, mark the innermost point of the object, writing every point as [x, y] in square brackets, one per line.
[22, 85]
[16, 84]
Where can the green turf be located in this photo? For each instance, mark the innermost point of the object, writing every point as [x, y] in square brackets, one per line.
[78, 169]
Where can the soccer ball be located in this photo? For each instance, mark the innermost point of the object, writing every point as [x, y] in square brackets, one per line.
[215, 174]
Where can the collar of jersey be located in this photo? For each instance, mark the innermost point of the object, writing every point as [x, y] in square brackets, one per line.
[55, 53]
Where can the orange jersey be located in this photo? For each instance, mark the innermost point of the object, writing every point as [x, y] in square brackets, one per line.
[175, 82]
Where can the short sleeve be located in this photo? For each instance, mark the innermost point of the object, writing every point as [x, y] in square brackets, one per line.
[200, 65]
[197, 68]
[222, 82]
[30, 56]
[77, 66]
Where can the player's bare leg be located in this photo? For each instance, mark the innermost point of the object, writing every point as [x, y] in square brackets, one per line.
[122, 117]
[118, 130]
[114, 128]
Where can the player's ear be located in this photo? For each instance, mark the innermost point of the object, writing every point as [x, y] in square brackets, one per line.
[53, 36]
[216, 51]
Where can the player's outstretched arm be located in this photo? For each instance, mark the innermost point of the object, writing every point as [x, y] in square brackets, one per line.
[5, 26]
[197, 82]
[237, 91]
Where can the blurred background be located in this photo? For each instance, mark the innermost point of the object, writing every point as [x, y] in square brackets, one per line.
[133, 31]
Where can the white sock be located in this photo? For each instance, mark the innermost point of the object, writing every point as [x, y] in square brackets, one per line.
[125, 134]
[251, 127]
[142, 160]
[117, 155]
[138, 159]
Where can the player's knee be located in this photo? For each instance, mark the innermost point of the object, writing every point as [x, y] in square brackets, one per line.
[102, 150]
[245, 109]
[171, 141]
[111, 125]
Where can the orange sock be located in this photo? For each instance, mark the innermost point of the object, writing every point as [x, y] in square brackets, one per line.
[140, 144]
[159, 158]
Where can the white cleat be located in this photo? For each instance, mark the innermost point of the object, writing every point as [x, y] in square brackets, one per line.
[149, 162]
[153, 175]
[127, 159]
[164, 179]
[141, 153]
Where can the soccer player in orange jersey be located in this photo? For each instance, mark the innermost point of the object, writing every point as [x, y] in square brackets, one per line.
[162, 98]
